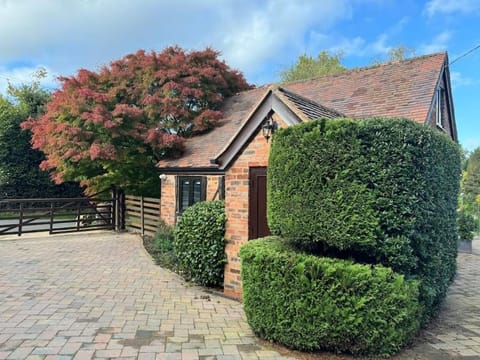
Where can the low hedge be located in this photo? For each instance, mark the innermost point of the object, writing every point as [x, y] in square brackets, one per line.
[312, 303]
[199, 243]
[382, 191]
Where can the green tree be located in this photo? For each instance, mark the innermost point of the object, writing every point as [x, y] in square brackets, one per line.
[471, 183]
[398, 53]
[401, 52]
[307, 67]
[20, 175]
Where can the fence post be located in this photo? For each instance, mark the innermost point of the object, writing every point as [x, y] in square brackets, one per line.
[78, 216]
[51, 218]
[114, 208]
[20, 220]
[142, 216]
[122, 208]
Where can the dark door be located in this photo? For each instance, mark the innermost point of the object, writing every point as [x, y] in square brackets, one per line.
[257, 208]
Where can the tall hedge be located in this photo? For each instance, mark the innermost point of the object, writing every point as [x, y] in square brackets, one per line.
[311, 303]
[377, 190]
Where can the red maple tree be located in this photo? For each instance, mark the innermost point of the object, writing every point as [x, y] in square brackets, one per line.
[114, 125]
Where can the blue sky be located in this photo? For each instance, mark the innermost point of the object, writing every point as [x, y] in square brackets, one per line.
[259, 37]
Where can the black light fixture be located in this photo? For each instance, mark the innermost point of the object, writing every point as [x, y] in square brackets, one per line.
[269, 126]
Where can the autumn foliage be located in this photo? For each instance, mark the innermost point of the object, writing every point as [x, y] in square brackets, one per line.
[114, 125]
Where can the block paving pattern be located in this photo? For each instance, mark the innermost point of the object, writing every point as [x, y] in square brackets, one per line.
[100, 296]
[456, 330]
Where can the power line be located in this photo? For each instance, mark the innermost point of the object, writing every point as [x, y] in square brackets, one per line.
[465, 54]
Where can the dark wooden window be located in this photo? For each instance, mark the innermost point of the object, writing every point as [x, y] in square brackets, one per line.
[439, 108]
[221, 188]
[191, 189]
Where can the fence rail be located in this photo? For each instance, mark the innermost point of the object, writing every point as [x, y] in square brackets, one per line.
[142, 214]
[55, 215]
[102, 211]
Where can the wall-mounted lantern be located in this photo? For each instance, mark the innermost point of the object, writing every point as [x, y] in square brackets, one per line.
[269, 127]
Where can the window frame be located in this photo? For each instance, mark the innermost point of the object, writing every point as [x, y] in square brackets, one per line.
[180, 182]
[439, 118]
[221, 188]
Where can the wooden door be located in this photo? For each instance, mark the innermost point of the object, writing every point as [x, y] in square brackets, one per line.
[257, 203]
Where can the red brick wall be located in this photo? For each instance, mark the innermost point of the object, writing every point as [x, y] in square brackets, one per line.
[167, 200]
[212, 186]
[168, 196]
[236, 207]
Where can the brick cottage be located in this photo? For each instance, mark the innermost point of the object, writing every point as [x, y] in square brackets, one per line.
[230, 161]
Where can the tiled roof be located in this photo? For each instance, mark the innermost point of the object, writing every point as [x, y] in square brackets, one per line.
[201, 148]
[398, 89]
[236, 109]
[309, 108]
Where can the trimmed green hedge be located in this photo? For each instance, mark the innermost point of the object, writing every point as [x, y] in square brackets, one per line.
[377, 191]
[466, 225]
[199, 243]
[310, 303]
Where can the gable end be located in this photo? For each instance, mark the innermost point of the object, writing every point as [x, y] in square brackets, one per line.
[270, 104]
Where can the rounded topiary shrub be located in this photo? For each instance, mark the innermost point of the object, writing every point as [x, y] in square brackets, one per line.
[199, 243]
[316, 303]
[380, 191]
[313, 188]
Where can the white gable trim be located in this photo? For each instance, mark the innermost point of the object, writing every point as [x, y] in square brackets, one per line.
[271, 103]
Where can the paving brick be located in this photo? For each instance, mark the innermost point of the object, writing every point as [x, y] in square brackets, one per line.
[108, 353]
[70, 348]
[20, 353]
[147, 356]
[114, 302]
[46, 350]
[84, 355]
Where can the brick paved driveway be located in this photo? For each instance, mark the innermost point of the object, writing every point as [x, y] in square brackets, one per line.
[455, 333]
[101, 296]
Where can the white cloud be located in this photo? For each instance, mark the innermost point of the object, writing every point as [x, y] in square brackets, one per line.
[25, 75]
[266, 31]
[439, 43]
[358, 46]
[347, 47]
[459, 80]
[68, 35]
[380, 45]
[451, 6]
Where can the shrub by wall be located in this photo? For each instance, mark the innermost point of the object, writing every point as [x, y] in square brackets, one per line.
[377, 190]
[162, 248]
[311, 303]
[466, 225]
[199, 243]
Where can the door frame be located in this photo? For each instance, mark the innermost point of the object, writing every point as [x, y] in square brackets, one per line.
[253, 225]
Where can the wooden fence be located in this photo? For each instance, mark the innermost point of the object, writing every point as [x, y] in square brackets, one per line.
[101, 211]
[142, 214]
